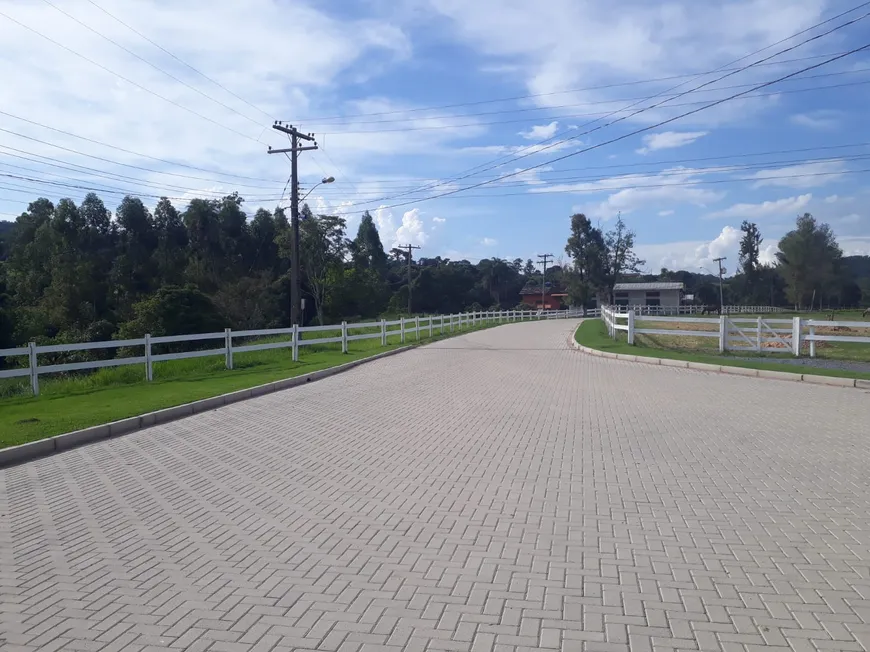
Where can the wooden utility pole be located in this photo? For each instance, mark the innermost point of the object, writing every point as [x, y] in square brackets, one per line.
[410, 248]
[544, 259]
[718, 261]
[293, 150]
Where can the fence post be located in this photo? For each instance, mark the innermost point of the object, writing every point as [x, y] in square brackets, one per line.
[796, 336]
[295, 342]
[228, 343]
[758, 335]
[431, 325]
[441, 326]
[344, 337]
[149, 370]
[812, 341]
[402, 319]
[417, 327]
[723, 333]
[34, 369]
[631, 326]
[383, 332]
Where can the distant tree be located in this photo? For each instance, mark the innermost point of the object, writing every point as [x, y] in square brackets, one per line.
[366, 250]
[588, 251]
[172, 241]
[173, 311]
[529, 269]
[620, 258]
[809, 259]
[322, 250]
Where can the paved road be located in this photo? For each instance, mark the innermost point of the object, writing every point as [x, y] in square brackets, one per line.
[491, 492]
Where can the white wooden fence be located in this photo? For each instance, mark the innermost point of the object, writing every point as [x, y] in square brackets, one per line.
[691, 309]
[31, 368]
[757, 334]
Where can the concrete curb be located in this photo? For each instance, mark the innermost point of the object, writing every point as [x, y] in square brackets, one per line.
[831, 381]
[41, 448]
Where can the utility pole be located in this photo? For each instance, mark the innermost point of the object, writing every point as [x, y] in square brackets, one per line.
[410, 248]
[544, 259]
[721, 272]
[293, 150]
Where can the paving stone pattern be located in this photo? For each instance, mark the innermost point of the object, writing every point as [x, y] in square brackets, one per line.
[496, 491]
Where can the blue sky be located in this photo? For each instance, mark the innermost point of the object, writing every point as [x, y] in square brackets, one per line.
[413, 99]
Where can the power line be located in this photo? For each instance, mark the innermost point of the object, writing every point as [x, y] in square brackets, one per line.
[322, 119]
[181, 61]
[121, 149]
[127, 79]
[537, 148]
[89, 171]
[144, 60]
[637, 131]
[532, 191]
[568, 106]
[557, 117]
[654, 174]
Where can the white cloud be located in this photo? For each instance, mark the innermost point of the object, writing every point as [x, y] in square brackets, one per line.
[806, 175]
[785, 206]
[646, 40]
[634, 192]
[855, 246]
[439, 220]
[412, 230]
[665, 213]
[823, 119]
[669, 140]
[531, 177]
[831, 199]
[540, 132]
[694, 256]
[489, 242]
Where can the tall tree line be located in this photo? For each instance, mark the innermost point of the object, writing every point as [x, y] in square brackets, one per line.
[809, 270]
[73, 272]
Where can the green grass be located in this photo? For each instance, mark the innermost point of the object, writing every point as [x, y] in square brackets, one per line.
[593, 334]
[72, 402]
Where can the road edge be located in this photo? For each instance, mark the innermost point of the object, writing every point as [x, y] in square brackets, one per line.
[30, 451]
[831, 381]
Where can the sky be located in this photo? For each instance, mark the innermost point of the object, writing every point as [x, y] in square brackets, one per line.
[470, 129]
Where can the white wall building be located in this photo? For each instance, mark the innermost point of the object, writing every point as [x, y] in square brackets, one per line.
[665, 295]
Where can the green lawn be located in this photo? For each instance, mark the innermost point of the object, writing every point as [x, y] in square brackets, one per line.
[74, 402]
[593, 334]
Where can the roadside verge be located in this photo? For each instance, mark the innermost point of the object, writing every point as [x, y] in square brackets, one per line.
[42, 447]
[815, 379]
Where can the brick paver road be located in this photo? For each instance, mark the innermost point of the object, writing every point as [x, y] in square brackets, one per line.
[496, 491]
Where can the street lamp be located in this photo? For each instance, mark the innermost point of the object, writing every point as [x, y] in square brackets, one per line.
[323, 181]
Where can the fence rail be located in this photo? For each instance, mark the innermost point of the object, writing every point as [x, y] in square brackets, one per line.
[756, 334]
[382, 330]
[695, 309]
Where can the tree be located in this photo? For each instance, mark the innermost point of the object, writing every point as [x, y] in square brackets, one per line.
[619, 255]
[587, 248]
[135, 269]
[171, 253]
[173, 311]
[809, 260]
[750, 251]
[366, 249]
[322, 248]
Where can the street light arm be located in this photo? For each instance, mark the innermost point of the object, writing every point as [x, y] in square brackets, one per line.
[323, 181]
